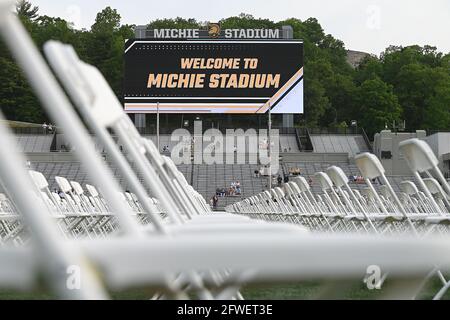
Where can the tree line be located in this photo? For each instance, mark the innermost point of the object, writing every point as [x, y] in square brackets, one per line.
[409, 84]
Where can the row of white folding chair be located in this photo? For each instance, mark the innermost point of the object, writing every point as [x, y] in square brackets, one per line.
[293, 205]
[74, 201]
[350, 202]
[11, 230]
[433, 203]
[6, 207]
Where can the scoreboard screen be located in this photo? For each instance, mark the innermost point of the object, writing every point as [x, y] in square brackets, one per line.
[213, 76]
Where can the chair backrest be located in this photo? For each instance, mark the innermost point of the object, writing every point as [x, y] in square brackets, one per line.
[64, 59]
[433, 186]
[324, 181]
[288, 190]
[63, 184]
[338, 176]
[77, 188]
[301, 183]
[409, 187]
[280, 192]
[295, 188]
[39, 180]
[274, 193]
[418, 155]
[368, 192]
[92, 190]
[267, 195]
[384, 191]
[369, 165]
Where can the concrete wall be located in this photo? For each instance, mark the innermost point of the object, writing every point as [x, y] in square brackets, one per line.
[439, 143]
[315, 157]
[51, 157]
[387, 141]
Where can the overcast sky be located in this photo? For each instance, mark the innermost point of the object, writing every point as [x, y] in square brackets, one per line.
[365, 25]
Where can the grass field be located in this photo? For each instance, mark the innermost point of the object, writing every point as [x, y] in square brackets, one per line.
[297, 291]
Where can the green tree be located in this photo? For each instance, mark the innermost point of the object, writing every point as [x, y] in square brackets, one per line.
[378, 105]
[316, 102]
[246, 21]
[104, 46]
[107, 21]
[25, 10]
[177, 23]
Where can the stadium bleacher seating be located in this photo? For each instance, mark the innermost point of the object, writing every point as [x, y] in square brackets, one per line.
[351, 144]
[34, 142]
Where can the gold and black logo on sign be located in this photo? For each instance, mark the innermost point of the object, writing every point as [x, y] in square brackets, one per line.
[214, 30]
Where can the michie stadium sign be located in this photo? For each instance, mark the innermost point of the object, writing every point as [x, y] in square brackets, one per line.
[213, 71]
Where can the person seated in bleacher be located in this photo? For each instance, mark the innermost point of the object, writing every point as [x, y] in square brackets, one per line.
[359, 180]
[221, 192]
[279, 180]
[214, 201]
[238, 188]
[61, 194]
[44, 127]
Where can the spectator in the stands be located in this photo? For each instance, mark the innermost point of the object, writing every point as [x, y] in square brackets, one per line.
[256, 173]
[215, 201]
[50, 128]
[238, 188]
[286, 179]
[279, 180]
[220, 192]
[44, 127]
[310, 181]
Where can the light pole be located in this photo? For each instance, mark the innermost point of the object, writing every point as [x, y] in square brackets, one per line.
[157, 127]
[270, 147]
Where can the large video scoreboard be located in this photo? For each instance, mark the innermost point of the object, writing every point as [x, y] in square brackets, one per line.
[213, 76]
